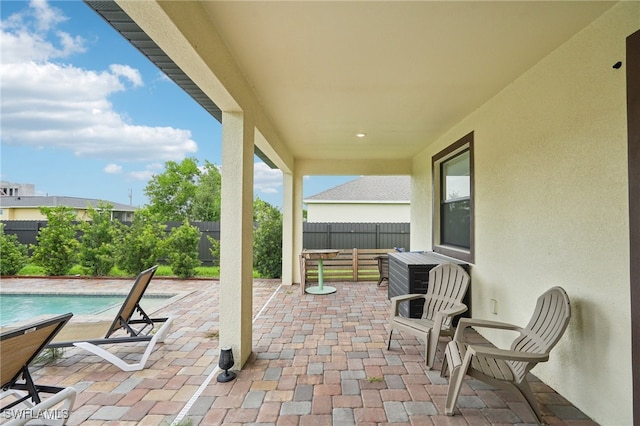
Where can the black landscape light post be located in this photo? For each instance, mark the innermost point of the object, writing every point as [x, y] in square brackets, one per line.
[226, 362]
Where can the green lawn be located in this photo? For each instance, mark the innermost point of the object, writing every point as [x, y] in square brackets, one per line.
[163, 271]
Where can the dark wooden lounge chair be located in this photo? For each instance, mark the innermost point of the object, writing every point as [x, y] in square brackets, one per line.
[24, 399]
[125, 329]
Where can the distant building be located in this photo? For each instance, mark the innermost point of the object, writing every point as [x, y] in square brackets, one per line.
[10, 188]
[25, 207]
[370, 199]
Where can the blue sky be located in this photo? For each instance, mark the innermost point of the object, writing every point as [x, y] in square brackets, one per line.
[85, 114]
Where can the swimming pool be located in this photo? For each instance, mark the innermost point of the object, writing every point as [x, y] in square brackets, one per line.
[23, 307]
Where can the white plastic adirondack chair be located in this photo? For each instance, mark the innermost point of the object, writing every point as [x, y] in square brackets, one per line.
[448, 284]
[508, 369]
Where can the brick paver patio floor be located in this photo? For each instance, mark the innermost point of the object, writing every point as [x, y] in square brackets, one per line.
[317, 360]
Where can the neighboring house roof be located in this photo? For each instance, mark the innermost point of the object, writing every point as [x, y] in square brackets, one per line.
[367, 189]
[34, 201]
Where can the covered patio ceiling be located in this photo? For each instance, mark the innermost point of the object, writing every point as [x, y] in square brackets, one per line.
[402, 73]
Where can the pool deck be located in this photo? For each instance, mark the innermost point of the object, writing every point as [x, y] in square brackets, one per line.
[317, 360]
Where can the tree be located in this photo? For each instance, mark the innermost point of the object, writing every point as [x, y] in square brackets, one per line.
[57, 245]
[172, 193]
[206, 204]
[185, 191]
[142, 243]
[182, 250]
[13, 254]
[97, 244]
[267, 239]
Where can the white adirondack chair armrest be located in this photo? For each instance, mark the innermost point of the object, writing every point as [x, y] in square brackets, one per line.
[475, 322]
[448, 313]
[407, 297]
[395, 301]
[453, 310]
[506, 354]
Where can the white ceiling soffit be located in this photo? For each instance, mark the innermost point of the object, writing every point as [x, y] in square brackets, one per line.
[403, 73]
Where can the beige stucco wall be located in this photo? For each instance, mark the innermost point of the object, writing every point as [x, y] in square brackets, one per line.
[21, 214]
[551, 209]
[12, 213]
[358, 212]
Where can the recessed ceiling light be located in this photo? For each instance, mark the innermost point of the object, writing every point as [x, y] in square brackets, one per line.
[360, 135]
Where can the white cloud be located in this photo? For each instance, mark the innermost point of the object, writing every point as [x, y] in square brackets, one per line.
[142, 175]
[145, 175]
[24, 35]
[266, 179]
[155, 166]
[112, 169]
[46, 16]
[126, 71]
[50, 105]
[269, 190]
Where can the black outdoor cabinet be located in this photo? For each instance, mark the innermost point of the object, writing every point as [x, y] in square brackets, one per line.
[409, 273]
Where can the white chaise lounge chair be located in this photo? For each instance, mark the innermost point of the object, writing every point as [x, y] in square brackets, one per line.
[131, 325]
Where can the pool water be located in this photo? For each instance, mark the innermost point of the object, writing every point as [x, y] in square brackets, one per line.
[23, 307]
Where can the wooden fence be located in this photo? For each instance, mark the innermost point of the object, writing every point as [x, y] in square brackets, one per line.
[27, 230]
[349, 265]
[360, 235]
[344, 236]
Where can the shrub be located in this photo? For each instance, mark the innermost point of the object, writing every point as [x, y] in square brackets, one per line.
[13, 254]
[267, 240]
[214, 250]
[142, 244]
[97, 244]
[57, 245]
[182, 250]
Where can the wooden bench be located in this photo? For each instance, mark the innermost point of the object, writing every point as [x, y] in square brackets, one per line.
[349, 265]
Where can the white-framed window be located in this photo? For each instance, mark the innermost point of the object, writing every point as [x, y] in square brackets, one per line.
[453, 200]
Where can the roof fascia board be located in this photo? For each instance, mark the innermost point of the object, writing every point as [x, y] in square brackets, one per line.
[180, 29]
[165, 26]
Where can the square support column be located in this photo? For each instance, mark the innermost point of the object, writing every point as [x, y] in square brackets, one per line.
[288, 211]
[236, 236]
[297, 223]
[292, 222]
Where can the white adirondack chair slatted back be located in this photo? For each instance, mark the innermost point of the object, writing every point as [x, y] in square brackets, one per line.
[447, 286]
[442, 302]
[547, 325]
